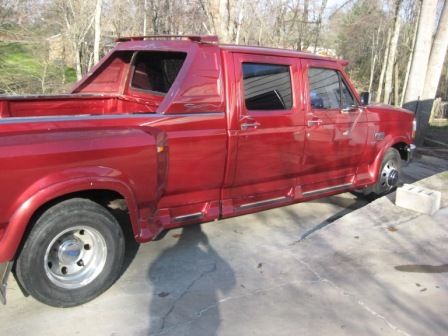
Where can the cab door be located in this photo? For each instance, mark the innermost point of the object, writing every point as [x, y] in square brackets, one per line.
[336, 128]
[267, 127]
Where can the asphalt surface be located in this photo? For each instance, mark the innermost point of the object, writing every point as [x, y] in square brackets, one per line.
[335, 266]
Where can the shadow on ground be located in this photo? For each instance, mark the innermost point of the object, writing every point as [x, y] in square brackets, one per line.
[197, 274]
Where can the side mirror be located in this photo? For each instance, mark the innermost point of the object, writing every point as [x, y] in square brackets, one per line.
[365, 98]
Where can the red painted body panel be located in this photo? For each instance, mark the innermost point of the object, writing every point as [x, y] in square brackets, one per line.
[183, 157]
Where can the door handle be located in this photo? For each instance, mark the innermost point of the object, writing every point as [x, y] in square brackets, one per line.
[314, 122]
[350, 109]
[246, 126]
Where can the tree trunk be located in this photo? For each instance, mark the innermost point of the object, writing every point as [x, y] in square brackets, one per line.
[396, 85]
[392, 54]
[218, 13]
[422, 51]
[372, 70]
[379, 92]
[437, 57]
[374, 58]
[223, 19]
[77, 52]
[44, 78]
[97, 38]
[411, 55]
[319, 24]
[304, 24]
[239, 21]
[145, 17]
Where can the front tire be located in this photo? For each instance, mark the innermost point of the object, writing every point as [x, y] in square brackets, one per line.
[388, 175]
[73, 253]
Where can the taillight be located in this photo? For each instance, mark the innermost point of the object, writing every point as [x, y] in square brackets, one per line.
[414, 128]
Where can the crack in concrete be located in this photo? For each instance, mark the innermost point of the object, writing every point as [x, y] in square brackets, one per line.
[201, 312]
[323, 226]
[319, 279]
[187, 289]
[400, 221]
[355, 297]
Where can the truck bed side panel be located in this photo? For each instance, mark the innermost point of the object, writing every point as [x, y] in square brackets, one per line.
[37, 156]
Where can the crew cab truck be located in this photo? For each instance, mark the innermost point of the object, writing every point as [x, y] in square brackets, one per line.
[176, 130]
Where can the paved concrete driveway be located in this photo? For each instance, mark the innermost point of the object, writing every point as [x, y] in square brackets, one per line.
[258, 275]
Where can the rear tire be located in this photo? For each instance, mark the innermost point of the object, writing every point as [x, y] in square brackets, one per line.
[73, 253]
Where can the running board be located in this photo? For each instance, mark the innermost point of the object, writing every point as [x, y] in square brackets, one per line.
[264, 202]
[192, 216]
[328, 189]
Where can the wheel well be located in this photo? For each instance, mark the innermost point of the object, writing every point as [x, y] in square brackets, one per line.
[114, 202]
[401, 148]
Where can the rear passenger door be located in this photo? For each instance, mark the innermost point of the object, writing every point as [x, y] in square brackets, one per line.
[336, 128]
[269, 138]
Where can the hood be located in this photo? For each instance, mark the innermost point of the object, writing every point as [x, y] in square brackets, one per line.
[387, 108]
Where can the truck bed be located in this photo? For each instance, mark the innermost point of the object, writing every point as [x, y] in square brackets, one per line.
[73, 104]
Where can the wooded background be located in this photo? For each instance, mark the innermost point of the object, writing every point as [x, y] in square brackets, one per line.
[396, 48]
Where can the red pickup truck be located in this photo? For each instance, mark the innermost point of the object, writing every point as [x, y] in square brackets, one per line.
[171, 131]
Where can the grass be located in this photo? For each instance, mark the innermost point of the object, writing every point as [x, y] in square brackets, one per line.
[22, 67]
[16, 56]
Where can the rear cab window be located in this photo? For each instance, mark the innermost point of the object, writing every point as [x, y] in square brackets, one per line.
[155, 72]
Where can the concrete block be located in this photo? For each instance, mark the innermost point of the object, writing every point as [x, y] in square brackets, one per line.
[418, 199]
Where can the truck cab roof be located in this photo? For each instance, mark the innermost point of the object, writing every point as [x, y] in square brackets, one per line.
[175, 41]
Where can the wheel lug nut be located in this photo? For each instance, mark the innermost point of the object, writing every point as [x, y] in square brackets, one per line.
[80, 263]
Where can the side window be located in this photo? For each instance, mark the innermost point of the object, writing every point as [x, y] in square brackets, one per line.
[267, 86]
[326, 86]
[156, 71]
[347, 97]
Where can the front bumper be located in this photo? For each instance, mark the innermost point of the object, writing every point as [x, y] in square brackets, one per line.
[5, 269]
[411, 149]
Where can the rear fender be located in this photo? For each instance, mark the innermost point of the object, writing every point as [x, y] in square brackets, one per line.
[22, 216]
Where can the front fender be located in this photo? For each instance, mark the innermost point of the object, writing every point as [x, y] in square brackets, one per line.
[32, 202]
[383, 146]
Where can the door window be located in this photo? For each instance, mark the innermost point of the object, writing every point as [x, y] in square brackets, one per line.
[347, 97]
[267, 86]
[326, 86]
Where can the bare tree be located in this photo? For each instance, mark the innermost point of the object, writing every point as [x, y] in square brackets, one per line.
[379, 92]
[374, 57]
[411, 55]
[396, 84]
[392, 54]
[422, 51]
[322, 8]
[303, 40]
[437, 56]
[219, 16]
[77, 20]
[97, 38]
[239, 21]
[356, 30]
[145, 17]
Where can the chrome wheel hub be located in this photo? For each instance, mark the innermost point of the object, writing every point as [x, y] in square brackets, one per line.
[389, 175]
[75, 257]
[69, 251]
